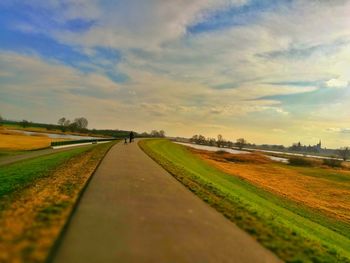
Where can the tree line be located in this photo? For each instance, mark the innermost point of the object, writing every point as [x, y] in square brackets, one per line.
[219, 141]
[78, 124]
[343, 152]
[81, 125]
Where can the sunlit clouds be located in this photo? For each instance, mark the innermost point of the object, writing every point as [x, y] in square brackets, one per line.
[270, 72]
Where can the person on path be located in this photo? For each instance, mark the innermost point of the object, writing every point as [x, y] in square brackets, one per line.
[131, 136]
[125, 140]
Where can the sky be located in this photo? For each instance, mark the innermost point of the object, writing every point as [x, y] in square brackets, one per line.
[273, 72]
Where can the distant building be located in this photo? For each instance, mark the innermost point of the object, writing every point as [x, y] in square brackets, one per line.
[304, 148]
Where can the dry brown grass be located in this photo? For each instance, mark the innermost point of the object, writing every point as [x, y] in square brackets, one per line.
[16, 141]
[54, 131]
[33, 218]
[302, 185]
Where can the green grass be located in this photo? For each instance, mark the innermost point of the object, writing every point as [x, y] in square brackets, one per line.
[7, 153]
[294, 232]
[17, 176]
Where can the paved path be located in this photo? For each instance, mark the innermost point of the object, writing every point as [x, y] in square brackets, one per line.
[134, 211]
[33, 154]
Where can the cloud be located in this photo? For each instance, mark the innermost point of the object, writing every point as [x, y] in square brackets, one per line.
[337, 83]
[143, 60]
[339, 130]
[135, 24]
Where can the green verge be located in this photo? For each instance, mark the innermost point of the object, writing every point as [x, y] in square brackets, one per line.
[16, 176]
[292, 231]
[6, 153]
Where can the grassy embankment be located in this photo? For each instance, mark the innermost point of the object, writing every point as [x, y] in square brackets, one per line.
[16, 141]
[36, 198]
[310, 182]
[45, 130]
[295, 232]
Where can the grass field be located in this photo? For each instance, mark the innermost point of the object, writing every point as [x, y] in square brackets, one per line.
[19, 175]
[34, 129]
[36, 198]
[319, 187]
[44, 130]
[11, 141]
[294, 231]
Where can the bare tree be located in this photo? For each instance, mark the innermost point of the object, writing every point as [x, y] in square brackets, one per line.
[154, 133]
[81, 122]
[194, 138]
[201, 139]
[211, 141]
[1, 119]
[162, 133]
[24, 123]
[220, 141]
[66, 123]
[240, 143]
[344, 153]
[61, 121]
[73, 126]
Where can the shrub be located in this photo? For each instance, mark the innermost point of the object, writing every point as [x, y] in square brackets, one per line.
[220, 152]
[299, 161]
[332, 162]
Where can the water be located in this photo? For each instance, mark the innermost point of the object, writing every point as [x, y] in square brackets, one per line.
[58, 136]
[233, 151]
[212, 148]
[298, 154]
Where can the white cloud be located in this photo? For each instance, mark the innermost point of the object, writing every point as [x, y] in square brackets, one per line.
[137, 24]
[218, 76]
[337, 83]
[338, 130]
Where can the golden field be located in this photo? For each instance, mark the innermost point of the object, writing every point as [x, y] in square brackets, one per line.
[15, 141]
[321, 188]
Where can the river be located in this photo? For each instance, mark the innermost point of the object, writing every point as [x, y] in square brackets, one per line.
[229, 150]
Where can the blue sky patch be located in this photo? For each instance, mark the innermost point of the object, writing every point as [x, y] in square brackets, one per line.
[235, 16]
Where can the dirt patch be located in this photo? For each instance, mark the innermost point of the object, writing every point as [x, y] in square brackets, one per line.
[320, 193]
[32, 219]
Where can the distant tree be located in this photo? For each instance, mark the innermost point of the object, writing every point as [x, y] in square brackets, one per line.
[220, 141]
[194, 139]
[1, 120]
[73, 126]
[211, 141]
[81, 123]
[61, 121]
[344, 153]
[144, 135]
[201, 139]
[229, 144]
[161, 133]
[240, 143]
[24, 123]
[67, 123]
[154, 133]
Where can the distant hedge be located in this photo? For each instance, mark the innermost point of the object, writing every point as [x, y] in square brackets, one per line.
[332, 162]
[299, 161]
[60, 143]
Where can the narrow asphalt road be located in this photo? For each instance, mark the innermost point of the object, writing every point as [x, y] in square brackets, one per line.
[134, 211]
[33, 154]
